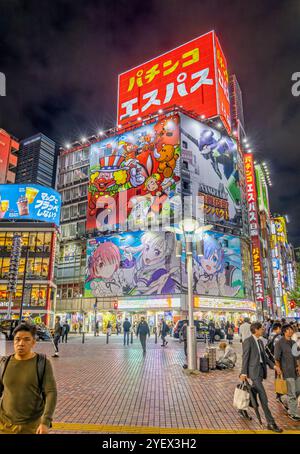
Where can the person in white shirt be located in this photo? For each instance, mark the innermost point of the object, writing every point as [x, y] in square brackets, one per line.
[228, 359]
[244, 330]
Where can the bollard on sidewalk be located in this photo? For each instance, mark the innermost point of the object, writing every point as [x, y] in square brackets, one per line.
[131, 337]
[83, 337]
[107, 338]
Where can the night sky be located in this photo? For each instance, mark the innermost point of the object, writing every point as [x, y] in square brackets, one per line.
[61, 60]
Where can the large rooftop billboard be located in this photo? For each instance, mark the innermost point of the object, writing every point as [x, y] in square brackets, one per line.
[29, 201]
[193, 76]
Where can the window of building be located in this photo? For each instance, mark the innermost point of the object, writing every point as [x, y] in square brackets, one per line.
[81, 228]
[82, 209]
[65, 213]
[74, 211]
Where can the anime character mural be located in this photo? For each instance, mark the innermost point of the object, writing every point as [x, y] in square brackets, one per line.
[142, 162]
[154, 268]
[219, 271]
[213, 168]
[139, 263]
[104, 275]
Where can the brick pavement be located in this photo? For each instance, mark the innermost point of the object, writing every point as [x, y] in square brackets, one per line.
[114, 389]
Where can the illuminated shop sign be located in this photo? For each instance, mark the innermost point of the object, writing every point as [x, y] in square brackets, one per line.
[150, 303]
[193, 76]
[254, 228]
[32, 201]
[223, 304]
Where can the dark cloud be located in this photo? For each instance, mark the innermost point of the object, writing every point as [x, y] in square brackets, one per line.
[61, 60]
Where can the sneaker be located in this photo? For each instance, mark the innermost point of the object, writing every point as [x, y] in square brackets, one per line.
[166, 344]
[56, 355]
[294, 418]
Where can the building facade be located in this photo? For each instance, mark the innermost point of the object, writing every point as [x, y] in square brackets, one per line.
[35, 287]
[115, 260]
[9, 147]
[37, 161]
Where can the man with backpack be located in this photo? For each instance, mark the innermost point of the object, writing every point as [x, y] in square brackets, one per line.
[27, 387]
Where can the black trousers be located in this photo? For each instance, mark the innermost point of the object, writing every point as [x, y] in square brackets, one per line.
[143, 341]
[259, 388]
[64, 336]
[56, 341]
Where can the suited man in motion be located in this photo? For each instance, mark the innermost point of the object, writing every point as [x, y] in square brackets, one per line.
[254, 366]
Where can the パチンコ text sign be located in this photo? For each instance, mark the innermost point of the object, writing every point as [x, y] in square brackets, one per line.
[193, 76]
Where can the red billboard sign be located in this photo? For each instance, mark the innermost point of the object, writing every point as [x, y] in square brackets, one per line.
[193, 76]
[222, 86]
[254, 228]
[4, 155]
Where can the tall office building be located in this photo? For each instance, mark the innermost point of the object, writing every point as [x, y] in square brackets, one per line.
[37, 161]
[8, 157]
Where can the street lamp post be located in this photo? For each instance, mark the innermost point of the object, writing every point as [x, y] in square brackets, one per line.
[188, 230]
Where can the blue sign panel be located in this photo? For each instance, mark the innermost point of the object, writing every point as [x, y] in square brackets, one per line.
[29, 201]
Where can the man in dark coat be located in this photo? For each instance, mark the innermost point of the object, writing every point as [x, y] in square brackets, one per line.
[254, 366]
[163, 332]
[57, 335]
[142, 331]
[126, 329]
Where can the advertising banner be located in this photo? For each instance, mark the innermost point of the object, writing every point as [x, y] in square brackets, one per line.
[219, 271]
[134, 176]
[254, 228]
[32, 201]
[213, 172]
[280, 226]
[193, 76]
[222, 86]
[136, 263]
[4, 155]
[262, 190]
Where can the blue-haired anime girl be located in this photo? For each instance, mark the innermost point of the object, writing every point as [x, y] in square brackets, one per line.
[212, 274]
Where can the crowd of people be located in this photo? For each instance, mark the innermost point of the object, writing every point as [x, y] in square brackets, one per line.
[28, 390]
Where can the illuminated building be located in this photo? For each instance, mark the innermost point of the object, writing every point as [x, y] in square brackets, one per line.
[9, 147]
[37, 258]
[29, 221]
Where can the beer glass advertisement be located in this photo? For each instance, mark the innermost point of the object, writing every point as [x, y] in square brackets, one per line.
[213, 170]
[134, 175]
[138, 263]
[32, 201]
[219, 271]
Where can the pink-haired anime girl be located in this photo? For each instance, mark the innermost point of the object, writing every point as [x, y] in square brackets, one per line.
[104, 270]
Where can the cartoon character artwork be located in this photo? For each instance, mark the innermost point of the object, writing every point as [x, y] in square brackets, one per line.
[218, 271]
[123, 163]
[104, 274]
[154, 269]
[166, 156]
[213, 168]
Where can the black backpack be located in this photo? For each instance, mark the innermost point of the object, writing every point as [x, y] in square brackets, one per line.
[40, 370]
[270, 348]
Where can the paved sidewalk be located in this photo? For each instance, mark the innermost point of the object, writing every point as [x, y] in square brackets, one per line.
[114, 389]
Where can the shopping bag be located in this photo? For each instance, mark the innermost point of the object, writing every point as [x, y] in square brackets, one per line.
[241, 398]
[280, 386]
